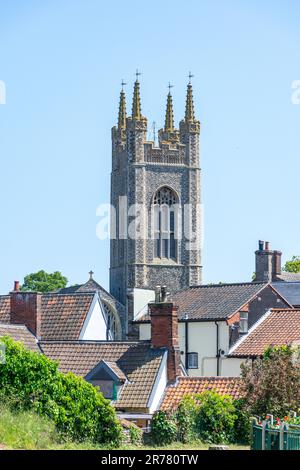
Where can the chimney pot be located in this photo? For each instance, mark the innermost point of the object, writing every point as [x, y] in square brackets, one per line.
[260, 245]
[17, 286]
[267, 246]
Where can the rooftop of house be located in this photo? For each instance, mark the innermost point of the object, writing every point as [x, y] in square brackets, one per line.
[4, 309]
[193, 386]
[212, 301]
[63, 312]
[290, 291]
[276, 328]
[137, 361]
[288, 277]
[22, 334]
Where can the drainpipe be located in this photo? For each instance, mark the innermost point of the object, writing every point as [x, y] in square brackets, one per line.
[186, 342]
[218, 350]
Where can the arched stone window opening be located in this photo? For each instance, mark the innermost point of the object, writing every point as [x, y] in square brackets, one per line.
[165, 213]
[113, 323]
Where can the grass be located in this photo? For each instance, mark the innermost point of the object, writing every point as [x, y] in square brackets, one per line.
[27, 430]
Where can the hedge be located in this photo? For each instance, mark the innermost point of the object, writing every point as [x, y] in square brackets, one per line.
[30, 380]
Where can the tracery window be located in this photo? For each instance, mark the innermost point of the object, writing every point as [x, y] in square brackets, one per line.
[165, 203]
[113, 324]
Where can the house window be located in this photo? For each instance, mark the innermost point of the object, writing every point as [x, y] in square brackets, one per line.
[243, 322]
[165, 217]
[193, 360]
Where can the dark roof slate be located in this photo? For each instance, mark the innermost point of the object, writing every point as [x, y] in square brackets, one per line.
[213, 302]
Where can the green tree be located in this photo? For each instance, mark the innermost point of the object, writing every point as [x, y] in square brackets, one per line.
[44, 282]
[292, 266]
[272, 383]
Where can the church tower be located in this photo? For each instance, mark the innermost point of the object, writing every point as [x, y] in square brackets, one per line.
[155, 193]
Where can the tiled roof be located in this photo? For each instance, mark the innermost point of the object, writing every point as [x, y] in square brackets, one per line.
[288, 277]
[276, 328]
[4, 309]
[63, 315]
[20, 333]
[192, 386]
[213, 302]
[289, 290]
[138, 361]
[118, 372]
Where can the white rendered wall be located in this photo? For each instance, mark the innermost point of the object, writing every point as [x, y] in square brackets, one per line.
[141, 298]
[159, 386]
[94, 327]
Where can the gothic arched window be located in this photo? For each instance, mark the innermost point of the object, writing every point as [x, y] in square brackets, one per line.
[165, 203]
[113, 323]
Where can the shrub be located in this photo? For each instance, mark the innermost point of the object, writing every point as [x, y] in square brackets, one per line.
[216, 418]
[79, 411]
[242, 426]
[135, 434]
[163, 428]
[185, 419]
[272, 383]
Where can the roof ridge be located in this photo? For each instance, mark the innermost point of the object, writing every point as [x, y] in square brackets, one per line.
[58, 294]
[225, 284]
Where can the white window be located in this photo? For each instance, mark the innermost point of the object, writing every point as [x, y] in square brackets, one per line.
[193, 360]
[243, 322]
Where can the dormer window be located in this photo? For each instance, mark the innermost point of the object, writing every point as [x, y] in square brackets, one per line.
[109, 378]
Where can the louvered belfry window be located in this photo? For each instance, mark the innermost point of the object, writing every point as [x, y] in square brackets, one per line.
[165, 243]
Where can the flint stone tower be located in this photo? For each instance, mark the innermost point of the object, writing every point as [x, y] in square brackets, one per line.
[155, 177]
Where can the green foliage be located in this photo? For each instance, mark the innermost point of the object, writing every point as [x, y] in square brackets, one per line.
[242, 426]
[272, 383]
[79, 410]
[135, 434]
[292, 266]
[44, 282]
[216, 418]
[163, 428]
[185, 419]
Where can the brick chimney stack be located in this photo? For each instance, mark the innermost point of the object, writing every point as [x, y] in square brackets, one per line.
[164, 331]
[267, 263]
[25, 309]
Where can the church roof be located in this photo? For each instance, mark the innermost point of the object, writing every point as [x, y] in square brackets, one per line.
[212, 302]
[288, 277]
[138, 361]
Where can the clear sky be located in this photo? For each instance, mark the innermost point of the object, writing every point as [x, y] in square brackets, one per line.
[62, 63]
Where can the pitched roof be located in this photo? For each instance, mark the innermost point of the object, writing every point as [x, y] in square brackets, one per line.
[289, 290]
[288, 277]
[137, 360]
[22, 334]
[212, 302]
[192, 386]
[4, 309]
[63, 315]
[277, 327]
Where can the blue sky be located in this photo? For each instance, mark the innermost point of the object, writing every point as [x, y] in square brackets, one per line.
[62, 63]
